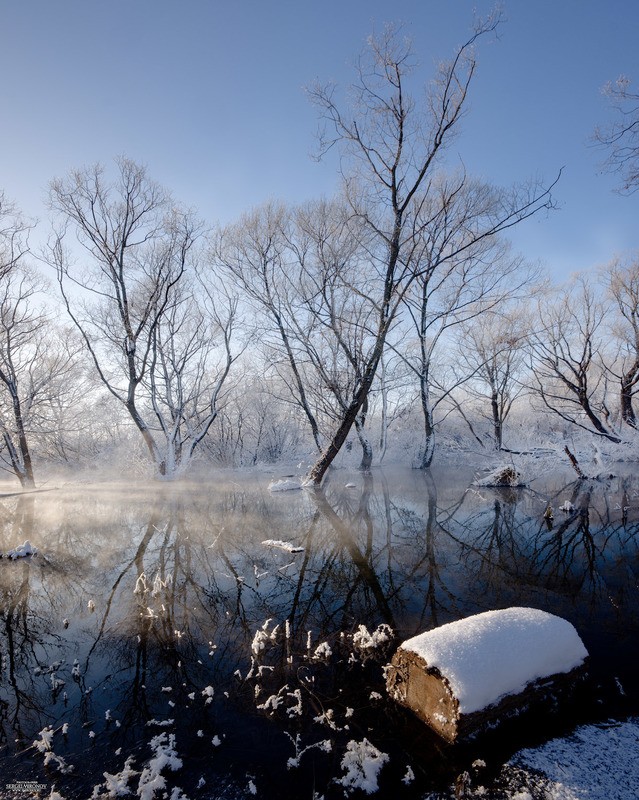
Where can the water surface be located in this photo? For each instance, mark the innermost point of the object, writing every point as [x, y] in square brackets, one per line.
[155, 620]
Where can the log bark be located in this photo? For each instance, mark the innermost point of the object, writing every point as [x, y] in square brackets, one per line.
[427, 693]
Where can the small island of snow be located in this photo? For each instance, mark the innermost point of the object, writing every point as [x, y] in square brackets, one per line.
[23, 550]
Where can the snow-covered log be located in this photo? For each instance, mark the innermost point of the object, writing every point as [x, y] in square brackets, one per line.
[504, 476]
[469, 675]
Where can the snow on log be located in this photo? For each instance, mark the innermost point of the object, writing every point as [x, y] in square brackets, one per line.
[468, 675]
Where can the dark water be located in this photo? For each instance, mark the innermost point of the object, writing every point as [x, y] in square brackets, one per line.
[135, 625]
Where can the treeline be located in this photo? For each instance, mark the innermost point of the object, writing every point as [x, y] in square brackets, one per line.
[396, 304]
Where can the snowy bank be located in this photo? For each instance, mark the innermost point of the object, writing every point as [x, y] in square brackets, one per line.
[596, 762]
[451, 673]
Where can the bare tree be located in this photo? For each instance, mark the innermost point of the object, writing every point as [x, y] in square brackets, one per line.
[622, 282]
[35, 367]
[19, 329]
[335, 319]
[567, 364]
[191, 357]
[19, 326]
[392, 147]
[621, 136]
[254, 254]
[492, 351]
[126, 296]
[14, 233]
[454, 283]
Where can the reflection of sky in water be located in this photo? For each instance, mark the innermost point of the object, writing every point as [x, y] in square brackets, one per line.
[143, 596]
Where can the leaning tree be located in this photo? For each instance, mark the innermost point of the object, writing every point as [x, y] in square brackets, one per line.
[391, 147]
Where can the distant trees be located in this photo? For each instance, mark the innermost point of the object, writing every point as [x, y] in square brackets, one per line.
[130, 293]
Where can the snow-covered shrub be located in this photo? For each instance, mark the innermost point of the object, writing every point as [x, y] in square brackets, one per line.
[367, 645]
[361, 763]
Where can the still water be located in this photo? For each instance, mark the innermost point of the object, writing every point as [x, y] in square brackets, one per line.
[230, 641]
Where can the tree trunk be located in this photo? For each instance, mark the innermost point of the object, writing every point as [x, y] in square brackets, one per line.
[159, 462]
[383, 436]
[328, 455]
[367, 451]
[26, 476]
[595, 421]
[627, 411]
[428, 448]
[497, 421]
[16, 463]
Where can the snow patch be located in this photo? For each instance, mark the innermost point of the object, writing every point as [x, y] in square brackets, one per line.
[288, 546]
[285, 485]
[598, 762]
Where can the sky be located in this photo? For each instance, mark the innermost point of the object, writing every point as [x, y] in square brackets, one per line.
[209, 95]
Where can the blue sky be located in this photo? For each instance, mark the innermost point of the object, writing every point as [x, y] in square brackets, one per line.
[209, 95]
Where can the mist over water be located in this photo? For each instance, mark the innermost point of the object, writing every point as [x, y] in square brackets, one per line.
[229, 617]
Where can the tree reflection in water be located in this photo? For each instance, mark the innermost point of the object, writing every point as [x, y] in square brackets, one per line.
[162, 603]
